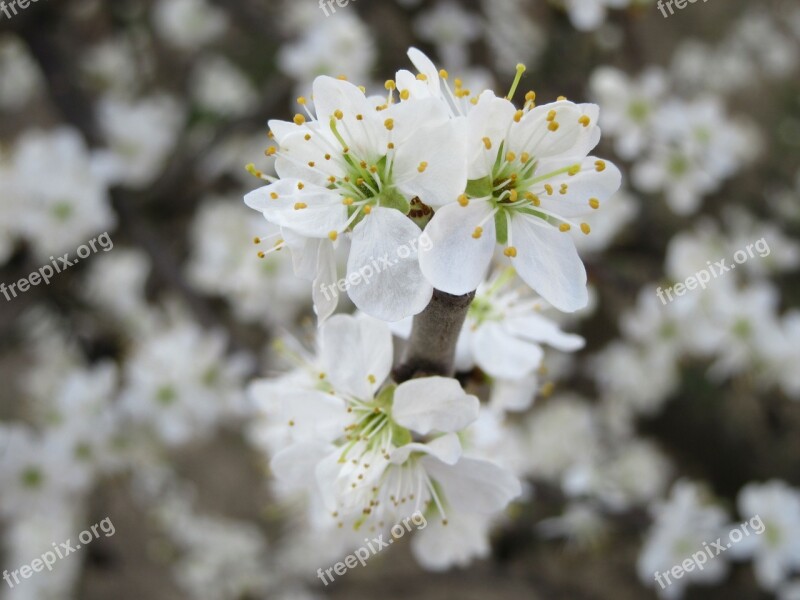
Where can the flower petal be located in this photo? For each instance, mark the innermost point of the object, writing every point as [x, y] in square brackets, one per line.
[548, 262]
[454, 261]
[383, 274]
[445, 448]
[474, 485]
[501, 354]
[356, 354]
[434, 404]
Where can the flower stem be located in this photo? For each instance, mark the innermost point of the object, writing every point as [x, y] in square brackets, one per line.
[432, 346]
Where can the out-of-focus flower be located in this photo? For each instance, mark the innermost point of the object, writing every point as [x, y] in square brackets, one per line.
[70, 205]
[774, 509]
[451, 29]
[140, 137]
[20, 78]
[189, 24]
[220, 87]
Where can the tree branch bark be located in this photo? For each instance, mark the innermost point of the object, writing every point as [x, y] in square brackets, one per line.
[432, 346]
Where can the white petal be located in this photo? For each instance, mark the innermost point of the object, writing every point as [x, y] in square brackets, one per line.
[474, 485]
[383, 273]
[323, 212]
[443, 148]
[587, 183]
[539, 329]
[434, 404]
[324, 291]
[490, 119]
[548, 262]
[453, 260]
[445, 448]
[425, 66]
[296, 465]
[312, 414]
[356, 354]
[503, 355]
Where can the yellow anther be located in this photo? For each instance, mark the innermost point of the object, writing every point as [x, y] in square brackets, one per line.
[301, 101]
[530, 96]
[371, 379]
[513, 195]
[341, 77]
[477, 233]
[367, 209]
[300, 206]
[300, 185]
[389, 124]
[463, 200]
[390, 84]
[251, 168]
[524, 157]
[359, 117]
[553, 126]
[511, 157]
[564, 189]
[256, 240]
[390, 145]
[574, 170]
[299, 119]
[273, 195]
[594, 203]
[585, 120]
[443, 74]
[405, 94]
[561, 98]
[564, 227]
[585, 228]
[551, 116]
[518, 116]
[347, 201]
[261, 255]
[333, 235]
[422, 166]
[510, 252]
[327, 157]
[307, 137]
[548, 188]
[311, 163]
[271, 151]
[487, 143]
[533, 198]
[600, 166]
[422, 77]
[338, 114]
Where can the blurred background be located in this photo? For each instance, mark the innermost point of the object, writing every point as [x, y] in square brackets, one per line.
[125, 130]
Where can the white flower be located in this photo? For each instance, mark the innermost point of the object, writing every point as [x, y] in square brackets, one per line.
[180, 384]
[504, 331]
[189, 24]
[220, 87]
[628, 106]
[224, 263]
[682, 525]
[529, 175]
[451, 29]
[69, 205]
[364, 171]
[376, 453]
[116, 283]
[341, 45]
[773, 542]
[140, 134]
[587, 15]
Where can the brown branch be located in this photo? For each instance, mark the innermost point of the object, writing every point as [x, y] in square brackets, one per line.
[432, 347]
